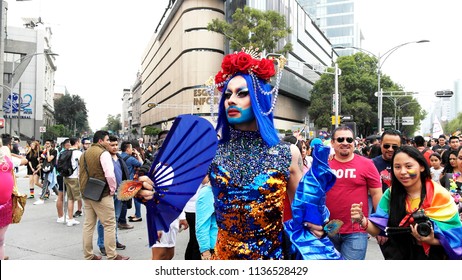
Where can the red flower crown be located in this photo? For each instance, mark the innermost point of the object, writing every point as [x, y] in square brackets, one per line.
[248, 62]
[244, 62]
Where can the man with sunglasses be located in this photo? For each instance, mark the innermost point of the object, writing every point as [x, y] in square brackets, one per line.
[356, 175]
[389, 143]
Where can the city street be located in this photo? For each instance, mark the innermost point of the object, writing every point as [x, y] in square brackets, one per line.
[39, 237]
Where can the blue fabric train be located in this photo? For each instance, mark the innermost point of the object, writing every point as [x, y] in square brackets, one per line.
[309, 205]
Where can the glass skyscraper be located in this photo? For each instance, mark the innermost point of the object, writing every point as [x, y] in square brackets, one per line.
[336, 19]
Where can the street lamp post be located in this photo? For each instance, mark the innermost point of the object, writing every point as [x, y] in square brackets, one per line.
[21, 61]
[380, 61]
[325, 70]
[401, 107]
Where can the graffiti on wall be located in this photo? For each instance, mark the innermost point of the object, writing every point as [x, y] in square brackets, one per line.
[15, 107]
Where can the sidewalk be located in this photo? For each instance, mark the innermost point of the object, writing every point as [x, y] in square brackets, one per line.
[39, 237]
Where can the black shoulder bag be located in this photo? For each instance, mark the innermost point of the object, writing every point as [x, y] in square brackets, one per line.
[94, 187]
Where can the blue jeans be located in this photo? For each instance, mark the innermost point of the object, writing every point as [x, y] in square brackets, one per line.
[352, 246]
[117, 209]
[137, 208]
[123, 213]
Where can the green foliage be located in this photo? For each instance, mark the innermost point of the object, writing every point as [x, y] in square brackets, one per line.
[113, 124]
[252, 27]
[71, 111]
[134, 131]
[56, 131]
[357, 85]
[151, 130]
[454, 125]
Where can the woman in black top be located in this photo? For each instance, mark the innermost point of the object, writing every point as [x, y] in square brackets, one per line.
[33, 168]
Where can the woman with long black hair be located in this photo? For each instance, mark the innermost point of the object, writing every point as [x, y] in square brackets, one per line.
[418, 215]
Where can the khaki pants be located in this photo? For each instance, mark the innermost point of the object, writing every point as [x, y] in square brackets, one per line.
[104, 211]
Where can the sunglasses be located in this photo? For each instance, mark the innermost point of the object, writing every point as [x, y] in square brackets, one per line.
[341, 139]
[387, 146]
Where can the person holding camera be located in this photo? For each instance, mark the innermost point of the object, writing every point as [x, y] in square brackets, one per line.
[417, 214]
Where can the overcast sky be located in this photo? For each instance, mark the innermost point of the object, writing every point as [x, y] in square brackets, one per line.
[100, 44]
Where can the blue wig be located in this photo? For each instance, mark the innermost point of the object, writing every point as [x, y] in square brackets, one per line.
[265, 123]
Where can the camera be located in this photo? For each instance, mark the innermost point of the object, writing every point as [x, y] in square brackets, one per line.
[424, 226]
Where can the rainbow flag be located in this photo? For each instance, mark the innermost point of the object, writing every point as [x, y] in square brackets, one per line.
[439, 206]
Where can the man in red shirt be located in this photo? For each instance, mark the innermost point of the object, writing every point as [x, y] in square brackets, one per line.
[356, 175]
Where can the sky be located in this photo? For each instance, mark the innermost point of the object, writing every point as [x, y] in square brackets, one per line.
[424, 68]
[100, 44]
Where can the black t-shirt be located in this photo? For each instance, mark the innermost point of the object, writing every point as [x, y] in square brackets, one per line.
[53, 152]
[384, 168]
[438, 147]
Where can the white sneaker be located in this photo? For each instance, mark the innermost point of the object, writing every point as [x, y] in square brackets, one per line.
[60, 220]
[38, 202]
[72, 222]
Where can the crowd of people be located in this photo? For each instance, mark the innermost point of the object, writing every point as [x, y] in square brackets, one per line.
[404, 193]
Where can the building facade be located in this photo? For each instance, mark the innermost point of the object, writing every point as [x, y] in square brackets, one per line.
[135, 127]
[337, 20]
[127, 109]
[29, 70]
[183, 54]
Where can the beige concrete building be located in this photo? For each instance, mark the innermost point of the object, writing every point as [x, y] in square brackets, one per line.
[178, 61]
[183, 54]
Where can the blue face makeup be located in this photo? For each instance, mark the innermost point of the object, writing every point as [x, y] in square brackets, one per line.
[247, 115]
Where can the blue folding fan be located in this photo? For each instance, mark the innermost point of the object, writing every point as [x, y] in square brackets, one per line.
[177, 171]
[184, 159]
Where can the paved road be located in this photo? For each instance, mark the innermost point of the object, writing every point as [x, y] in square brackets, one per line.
[39, 237]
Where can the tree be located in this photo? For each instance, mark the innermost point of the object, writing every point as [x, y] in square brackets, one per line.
[151, 130]
[113, 124]
[454, 125]
[55, 131]
[357, 86]
[252, 27]
[71, 111]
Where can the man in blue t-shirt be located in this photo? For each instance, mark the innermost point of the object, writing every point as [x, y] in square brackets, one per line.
[390, 142]
[133, 160]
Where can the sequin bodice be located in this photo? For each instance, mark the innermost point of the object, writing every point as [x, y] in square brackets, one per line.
[249, 182]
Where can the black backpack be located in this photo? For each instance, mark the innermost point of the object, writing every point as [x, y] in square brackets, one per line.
[64, 165]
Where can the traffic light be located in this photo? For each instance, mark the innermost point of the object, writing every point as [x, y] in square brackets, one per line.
[339, 119]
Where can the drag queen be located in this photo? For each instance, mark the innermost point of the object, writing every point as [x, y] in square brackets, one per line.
[252, 170]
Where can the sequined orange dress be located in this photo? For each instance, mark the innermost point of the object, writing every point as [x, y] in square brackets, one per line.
[249, 182]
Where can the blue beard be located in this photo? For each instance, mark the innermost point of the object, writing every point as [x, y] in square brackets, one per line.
[247, 115]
